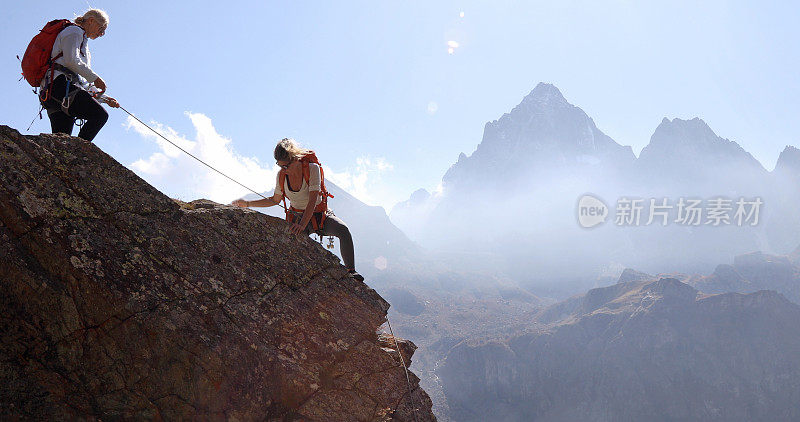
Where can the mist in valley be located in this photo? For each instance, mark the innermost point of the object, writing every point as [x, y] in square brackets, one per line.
[502, 249]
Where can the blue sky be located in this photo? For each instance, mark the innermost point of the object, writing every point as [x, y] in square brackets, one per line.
[371, 87]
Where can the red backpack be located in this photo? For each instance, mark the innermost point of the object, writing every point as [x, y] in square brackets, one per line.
[36, 61]
[322, 207]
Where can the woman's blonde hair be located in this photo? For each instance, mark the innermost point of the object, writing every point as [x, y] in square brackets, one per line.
[99, 15]
[287, 149]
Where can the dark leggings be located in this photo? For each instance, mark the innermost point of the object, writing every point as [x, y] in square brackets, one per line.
[334, 226]
[83, 106]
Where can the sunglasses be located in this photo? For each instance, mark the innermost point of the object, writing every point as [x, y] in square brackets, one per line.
[283, 166]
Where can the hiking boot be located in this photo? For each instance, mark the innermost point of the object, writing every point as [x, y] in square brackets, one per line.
[355, 275]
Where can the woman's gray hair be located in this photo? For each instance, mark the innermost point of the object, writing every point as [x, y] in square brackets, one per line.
[99, 15]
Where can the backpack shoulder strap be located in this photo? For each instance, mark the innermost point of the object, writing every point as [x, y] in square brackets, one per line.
[306, 171]
[282, 181]
[55, 27]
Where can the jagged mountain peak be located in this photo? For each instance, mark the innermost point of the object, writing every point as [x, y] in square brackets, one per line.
[680, 143]
[545, 94]
[545, 98]
[544, 128]
[696, 127]
[789, 160]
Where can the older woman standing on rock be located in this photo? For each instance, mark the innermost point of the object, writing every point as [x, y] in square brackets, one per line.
[301, 180]
[64, 90]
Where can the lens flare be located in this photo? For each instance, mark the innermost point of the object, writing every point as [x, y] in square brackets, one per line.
[451, 46]
[380, 263]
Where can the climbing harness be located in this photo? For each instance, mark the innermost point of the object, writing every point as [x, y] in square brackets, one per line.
[322, 207]
[403, 362]
[320, 239]
[191, 155]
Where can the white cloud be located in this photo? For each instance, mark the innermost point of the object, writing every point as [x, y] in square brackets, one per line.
[171, 134]
[157, 165]
[178, 174]
[364, 180]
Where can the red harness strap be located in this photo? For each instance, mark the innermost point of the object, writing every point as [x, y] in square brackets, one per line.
[322, 207]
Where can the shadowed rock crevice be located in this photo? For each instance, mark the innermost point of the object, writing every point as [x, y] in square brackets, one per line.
[122, 303]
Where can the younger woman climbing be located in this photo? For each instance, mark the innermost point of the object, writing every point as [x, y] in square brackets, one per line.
[301, 180]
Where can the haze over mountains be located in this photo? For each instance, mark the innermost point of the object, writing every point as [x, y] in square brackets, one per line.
[508, 211]
[514, 198]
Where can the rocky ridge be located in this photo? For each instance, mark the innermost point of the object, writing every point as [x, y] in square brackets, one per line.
[120, 303]
[639, 350]
[789, 161]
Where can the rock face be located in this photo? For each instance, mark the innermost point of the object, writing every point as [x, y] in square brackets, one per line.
[642, 350]
[119, 303]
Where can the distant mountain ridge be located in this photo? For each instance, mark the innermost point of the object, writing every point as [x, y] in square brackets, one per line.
[515, 195]
[653, 350]
[685, 153]
[789, 161]
[543, 129]
[752, 272]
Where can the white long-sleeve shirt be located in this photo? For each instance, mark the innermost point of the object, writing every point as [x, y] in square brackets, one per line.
[72, 43]
[299, 199]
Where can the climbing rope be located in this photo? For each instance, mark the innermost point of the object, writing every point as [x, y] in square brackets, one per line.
[193, 156]
[403, 362]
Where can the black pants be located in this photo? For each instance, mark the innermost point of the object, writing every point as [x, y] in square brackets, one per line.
[82, 106]
[334, 226]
